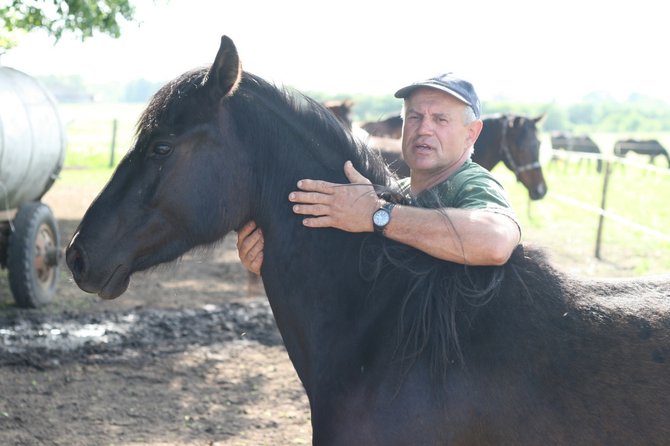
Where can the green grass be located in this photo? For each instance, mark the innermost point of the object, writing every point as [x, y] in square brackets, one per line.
[634, 194]
[90, 130]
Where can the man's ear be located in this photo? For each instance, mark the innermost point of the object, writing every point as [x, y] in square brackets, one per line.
[474, 129]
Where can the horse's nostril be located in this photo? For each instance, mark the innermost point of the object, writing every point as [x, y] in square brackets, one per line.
[76, 263]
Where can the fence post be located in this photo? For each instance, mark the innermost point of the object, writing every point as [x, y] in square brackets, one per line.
[113, 146]
[601, 219]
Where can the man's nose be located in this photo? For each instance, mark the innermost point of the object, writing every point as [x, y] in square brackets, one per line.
[425, 126]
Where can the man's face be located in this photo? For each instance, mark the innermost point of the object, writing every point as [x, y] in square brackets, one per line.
[434, 135]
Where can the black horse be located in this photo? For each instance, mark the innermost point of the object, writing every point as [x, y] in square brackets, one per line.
[581, 144]
[650, 147]
[509, 138]
[392, 346]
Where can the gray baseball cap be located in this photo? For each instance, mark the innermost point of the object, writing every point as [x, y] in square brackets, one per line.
[449, 83]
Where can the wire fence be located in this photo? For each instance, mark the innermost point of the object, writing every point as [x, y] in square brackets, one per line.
[607, 165]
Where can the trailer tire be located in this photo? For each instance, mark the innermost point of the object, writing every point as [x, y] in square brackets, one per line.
[33, 255]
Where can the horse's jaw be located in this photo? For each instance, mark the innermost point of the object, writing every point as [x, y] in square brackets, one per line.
[116, 285]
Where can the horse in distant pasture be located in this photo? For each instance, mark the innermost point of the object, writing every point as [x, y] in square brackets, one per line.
[651, 148]
[342, 109]
[390, 127]
[508, 138]
[393, 347]
[581, 143]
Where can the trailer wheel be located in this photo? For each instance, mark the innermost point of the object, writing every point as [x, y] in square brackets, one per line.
[33, 256]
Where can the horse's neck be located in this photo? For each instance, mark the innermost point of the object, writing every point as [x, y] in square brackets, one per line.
[313, 285]
[311, 275]
[304, 269]
[488, 148]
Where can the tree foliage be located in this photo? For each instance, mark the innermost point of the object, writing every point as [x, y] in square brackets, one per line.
[83, 18]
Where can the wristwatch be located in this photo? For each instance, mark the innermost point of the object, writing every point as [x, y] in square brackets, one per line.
[382, 217]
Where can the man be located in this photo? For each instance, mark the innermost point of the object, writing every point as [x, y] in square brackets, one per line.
[459, 212]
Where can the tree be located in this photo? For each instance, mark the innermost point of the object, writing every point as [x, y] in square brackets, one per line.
[80, 17]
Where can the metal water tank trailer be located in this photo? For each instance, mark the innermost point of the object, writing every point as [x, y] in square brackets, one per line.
[32, 150]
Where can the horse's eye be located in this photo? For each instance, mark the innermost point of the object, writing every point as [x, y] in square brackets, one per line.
[161, 149]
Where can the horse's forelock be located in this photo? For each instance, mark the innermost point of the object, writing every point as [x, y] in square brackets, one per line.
[170, 102]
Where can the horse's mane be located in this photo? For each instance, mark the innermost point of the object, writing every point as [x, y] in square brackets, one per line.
[289, 116]
[441, 298]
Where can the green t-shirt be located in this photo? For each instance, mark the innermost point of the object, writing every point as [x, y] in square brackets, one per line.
[470, 187]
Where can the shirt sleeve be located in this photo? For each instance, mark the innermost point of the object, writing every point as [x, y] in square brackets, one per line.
[484, 192]
[481, 192]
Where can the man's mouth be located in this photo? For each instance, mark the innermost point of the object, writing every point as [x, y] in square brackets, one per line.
[422, 148]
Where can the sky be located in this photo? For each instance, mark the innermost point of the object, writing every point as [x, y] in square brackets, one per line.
[523, 50]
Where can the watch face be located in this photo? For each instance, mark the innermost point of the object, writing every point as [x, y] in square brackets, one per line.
[381, 217]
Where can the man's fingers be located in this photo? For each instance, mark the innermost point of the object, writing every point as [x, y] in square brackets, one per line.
[249, 245]
[256, 264]
[244, 232]
[323, 187]
[310, 209]
[353, 175]
[255, 250]
[250, 250]
[309, 197]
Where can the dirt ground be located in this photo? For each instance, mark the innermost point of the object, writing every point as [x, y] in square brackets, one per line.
[189, 355]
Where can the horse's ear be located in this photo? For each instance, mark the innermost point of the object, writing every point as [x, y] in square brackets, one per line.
[226, 71]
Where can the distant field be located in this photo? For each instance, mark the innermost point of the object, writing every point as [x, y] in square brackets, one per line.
[569, 232]
[638, 195]
[89, 129]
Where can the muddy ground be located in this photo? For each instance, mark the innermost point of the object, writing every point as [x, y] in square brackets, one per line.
[189, 355]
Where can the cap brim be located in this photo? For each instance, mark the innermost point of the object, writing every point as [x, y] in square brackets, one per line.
[406, 91]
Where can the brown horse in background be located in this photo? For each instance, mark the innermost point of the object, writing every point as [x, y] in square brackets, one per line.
[390, 127]
[342, 109]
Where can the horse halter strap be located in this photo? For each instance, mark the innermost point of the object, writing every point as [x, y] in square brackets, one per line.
[508, 155]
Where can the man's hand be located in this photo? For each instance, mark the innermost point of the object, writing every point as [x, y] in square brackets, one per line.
[343, 206]
[250, 245]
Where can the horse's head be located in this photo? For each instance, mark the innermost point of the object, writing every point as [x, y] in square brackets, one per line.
[521, 153]
[172, 191]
